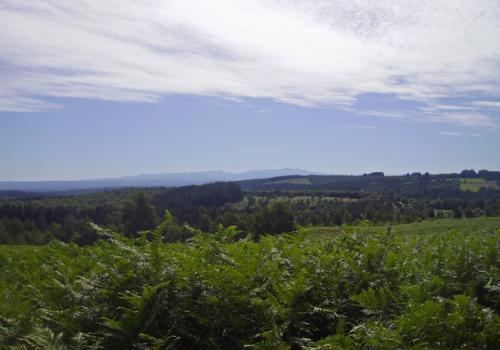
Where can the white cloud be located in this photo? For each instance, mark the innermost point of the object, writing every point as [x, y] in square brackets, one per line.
[490, 104]
[437, 108]
[450, 133]
[300, 52]
[476, 120]
[384, 114]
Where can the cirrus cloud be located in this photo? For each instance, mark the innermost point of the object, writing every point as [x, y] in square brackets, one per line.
[308, 53]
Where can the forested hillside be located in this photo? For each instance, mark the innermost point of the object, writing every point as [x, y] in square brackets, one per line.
[414, 184]
[39, 220]
[327, 201]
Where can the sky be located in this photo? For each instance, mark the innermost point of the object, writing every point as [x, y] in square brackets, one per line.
[92, 89]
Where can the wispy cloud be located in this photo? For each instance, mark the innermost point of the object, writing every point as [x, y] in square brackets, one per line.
[476, 120]
[300, 52]
[439, 107]
[491, 104]
[384, 113]
[450, 133]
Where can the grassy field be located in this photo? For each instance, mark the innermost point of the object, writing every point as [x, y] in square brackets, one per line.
[474, 185]
[470, 184]
[294, 181]
[423, 227]
[313, 200]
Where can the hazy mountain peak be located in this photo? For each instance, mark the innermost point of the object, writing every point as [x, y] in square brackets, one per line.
[149, 180]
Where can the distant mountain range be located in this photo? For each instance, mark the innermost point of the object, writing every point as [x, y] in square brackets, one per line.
[147, 180]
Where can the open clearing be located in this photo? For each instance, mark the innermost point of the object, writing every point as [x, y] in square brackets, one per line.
[422, 227]
[474, 185]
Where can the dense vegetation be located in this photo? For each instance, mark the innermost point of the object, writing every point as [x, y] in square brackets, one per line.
[218, 267]
[264, 206]
[357, 289]
[39, 220]
[410, 184]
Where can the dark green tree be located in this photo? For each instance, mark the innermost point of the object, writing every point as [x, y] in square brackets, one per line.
[274, 219]
[457, 213]
[138, 214]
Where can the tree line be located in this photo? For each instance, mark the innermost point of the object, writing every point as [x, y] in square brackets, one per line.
[184, 210]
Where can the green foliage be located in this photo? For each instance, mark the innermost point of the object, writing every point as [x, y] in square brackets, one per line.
[274, 219]
[171, 231]
[139, 214]
[333, 201]
[358, 289]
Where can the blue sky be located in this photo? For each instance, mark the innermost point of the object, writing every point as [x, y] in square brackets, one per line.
[92, 90]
